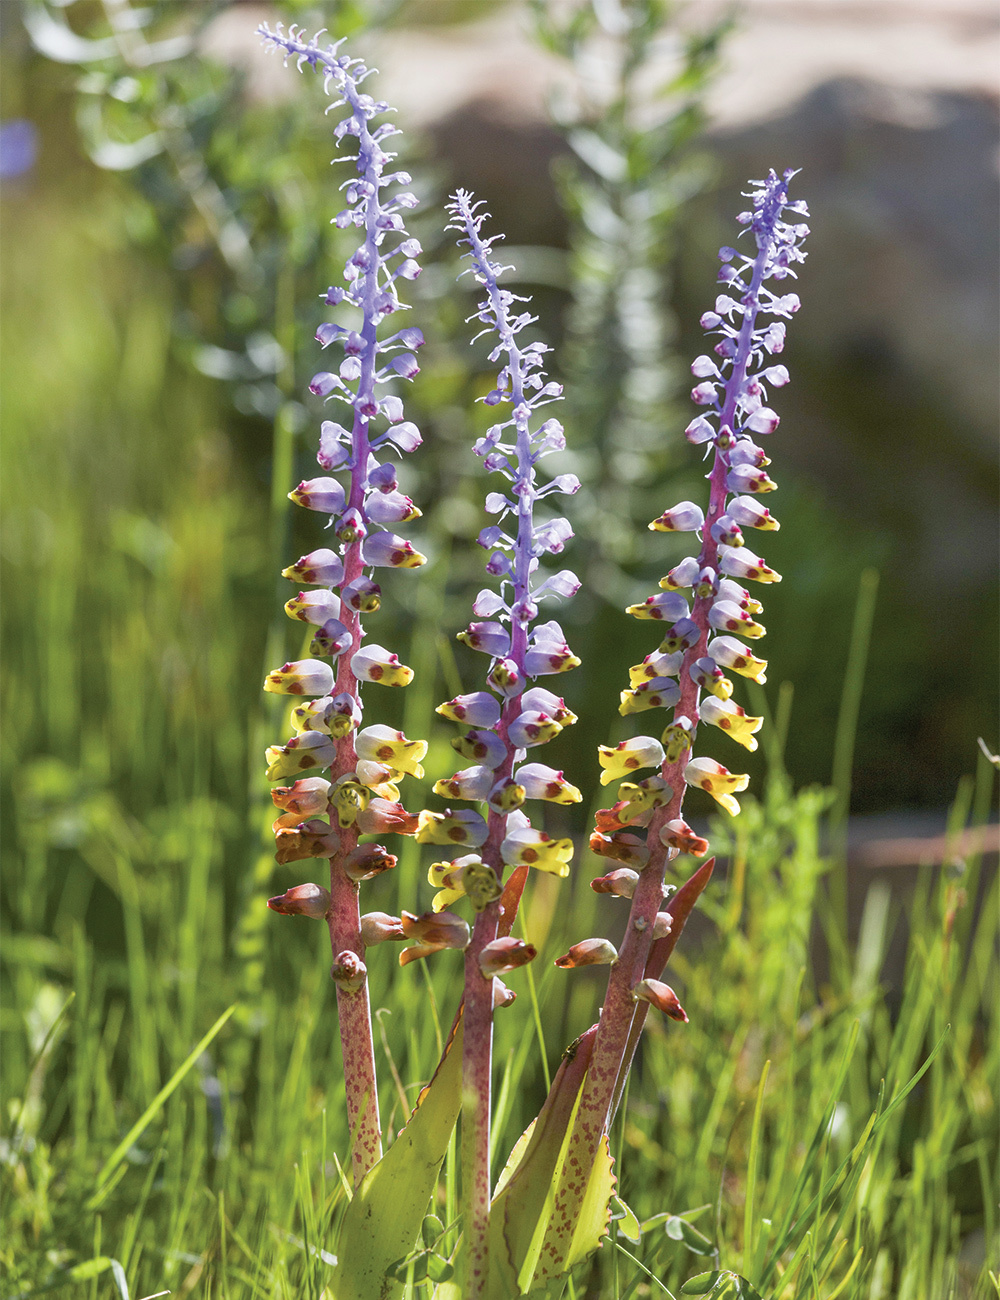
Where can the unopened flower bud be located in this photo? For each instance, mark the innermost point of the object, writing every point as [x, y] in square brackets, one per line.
[502, 955]
[589, 952]
[378, 927]
[381, 815]
[502, 995]
[368, 861]
[677, 834]
[301, 900]
[348, 972]
[305, 798]
[661, 996]
[662, 925]
[621, 882]
[620, 847]
[433, 932]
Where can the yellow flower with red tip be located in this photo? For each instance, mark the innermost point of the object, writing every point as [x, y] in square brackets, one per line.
[628, 757]
[382, 744]
[718, 781]
[537, 849]
[731, 718]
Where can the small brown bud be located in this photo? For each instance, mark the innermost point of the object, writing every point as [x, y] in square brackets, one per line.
[502, 995]
[589, 952]
[661, 996]
[662, 925]
[437, 930]
[306, 797]
[620, 847]
[309, 839]
[621, 882]
[677, 834]
[505, 954]
[377, 927]
[301, 900]
[380, 815]
[348, 971]
[368, 860]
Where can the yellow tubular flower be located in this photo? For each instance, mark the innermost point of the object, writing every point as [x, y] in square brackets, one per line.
[730, 717]
[628, 757]
[716, 780]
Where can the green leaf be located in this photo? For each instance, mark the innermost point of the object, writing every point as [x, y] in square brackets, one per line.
[439, 1269]
[679, 1229]
[384, 1220]
[628, 1224]
[703, 1283]
[520, 1216]
[431, 1230]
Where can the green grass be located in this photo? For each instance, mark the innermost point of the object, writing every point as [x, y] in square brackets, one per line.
[171, 1103]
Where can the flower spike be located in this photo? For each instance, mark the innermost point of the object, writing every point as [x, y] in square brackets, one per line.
[687, 673]
[359, 491]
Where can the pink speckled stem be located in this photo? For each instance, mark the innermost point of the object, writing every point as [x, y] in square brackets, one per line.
[354, 1012]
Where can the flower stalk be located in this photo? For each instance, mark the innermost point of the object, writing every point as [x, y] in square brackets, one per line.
[511, 717]
[361, 795]
[693, 657]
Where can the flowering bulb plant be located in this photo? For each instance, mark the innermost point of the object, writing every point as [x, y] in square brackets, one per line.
[552, 1207]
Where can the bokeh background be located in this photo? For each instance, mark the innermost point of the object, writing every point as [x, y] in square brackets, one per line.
[166, 200]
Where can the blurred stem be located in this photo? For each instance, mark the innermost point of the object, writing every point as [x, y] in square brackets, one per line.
[850, 701]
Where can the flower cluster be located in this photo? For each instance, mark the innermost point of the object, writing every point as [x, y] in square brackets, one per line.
[708, 613]
[501, 724]
[325, 817]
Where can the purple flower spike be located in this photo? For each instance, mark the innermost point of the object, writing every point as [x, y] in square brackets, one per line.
[508, 724]
[688, 672]
[367, 358]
